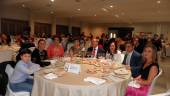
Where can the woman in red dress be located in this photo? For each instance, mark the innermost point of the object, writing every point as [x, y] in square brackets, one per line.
[55, 49]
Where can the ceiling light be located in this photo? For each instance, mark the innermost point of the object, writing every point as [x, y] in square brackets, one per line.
[117, 16]
[95, 15]
[111, 6]
[104, 9]
[52, 0]
[23, 5]
[122, 13]
[52, 12]
[78, 9]
[158, 1]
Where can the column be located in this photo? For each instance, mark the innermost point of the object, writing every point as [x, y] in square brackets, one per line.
[31, 24]
[53, 29]
[69, 26]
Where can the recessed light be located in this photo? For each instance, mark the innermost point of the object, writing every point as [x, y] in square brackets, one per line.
[78, 9]
[23, 5]
[52, 0]
[111, 6]
[95, 15]
[158, 1]
[52, 12]
[122, 13]
[116, 15]
[104, 9]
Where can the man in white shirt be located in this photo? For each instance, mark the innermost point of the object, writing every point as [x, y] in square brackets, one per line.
[94, 50]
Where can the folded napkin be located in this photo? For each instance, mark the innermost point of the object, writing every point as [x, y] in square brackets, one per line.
[94, 80]
[134, 84]
[50, 76]
[51, 61]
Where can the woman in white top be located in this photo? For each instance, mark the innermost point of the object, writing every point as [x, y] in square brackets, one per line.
[115, 54]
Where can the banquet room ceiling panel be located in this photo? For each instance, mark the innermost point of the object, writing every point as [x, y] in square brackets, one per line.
[103, 11]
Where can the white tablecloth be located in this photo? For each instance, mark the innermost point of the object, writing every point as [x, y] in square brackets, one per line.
[168, 51]
[74, 85]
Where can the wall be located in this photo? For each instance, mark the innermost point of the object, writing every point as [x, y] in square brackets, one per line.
[13, 13]
[95, 29]
[155, 28]
[51, 19]
[25, 14]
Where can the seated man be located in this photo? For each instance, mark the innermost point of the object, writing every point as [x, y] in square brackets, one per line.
[133, 59]
[95, 51]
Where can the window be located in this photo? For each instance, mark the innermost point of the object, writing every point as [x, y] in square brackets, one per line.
[62, 30]
[13, 27]
[41, 28]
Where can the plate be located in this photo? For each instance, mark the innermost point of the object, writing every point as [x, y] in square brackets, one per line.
[121, 71]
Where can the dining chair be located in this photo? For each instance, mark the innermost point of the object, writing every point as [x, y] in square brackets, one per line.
[153, 83]
[9, 70]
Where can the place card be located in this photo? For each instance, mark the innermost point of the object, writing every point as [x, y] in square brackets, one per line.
[72, 68]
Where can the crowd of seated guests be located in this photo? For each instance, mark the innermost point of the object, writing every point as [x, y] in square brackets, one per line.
[139, 55]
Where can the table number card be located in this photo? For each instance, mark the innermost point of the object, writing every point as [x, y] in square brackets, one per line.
[72, 68]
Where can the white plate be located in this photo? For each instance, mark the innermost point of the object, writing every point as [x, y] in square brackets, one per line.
[121, 71]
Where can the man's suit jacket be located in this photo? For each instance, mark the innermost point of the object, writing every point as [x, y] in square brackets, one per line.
[136, 62]
[100, 50]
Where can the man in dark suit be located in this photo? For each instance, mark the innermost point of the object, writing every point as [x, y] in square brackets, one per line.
[95, 51]
[133, 59]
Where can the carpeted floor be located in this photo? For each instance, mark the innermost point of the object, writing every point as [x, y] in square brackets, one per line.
[163, 82]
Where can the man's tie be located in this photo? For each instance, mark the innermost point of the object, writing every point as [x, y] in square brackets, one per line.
[93, 52]
[124, 61]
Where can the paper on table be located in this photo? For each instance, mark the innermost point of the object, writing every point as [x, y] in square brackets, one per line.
[51, 61]
[94, 80]
[134, 84]
[50, 76]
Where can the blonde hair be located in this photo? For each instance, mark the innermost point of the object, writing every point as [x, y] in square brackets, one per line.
[154, 52]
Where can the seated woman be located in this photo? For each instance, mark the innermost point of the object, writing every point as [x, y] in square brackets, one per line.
[148, 72]
[115, 54]
[5, 39]
[75, 49]
[55, 49]
[39, 53]
[20, 80]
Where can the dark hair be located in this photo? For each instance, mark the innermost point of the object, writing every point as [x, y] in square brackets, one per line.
[129, 42]
[154, 53]
[25, 51]
[115, 46]
[41, 40]
[57, 37]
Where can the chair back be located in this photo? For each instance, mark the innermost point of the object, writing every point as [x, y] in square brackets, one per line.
[9, 70]
[154, 81]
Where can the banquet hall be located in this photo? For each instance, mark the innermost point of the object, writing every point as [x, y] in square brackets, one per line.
[84, 47]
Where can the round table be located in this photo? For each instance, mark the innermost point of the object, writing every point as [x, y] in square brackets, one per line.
[71, 84]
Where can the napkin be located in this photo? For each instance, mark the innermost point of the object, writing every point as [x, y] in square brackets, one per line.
[51, 61]
[50, 76]
[134, 84]
[94, 80]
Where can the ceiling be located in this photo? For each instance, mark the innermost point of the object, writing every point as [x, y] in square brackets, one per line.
[100, 11]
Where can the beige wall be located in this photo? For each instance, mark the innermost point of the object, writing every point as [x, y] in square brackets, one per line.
[98, 29]
[25, 14]
[158, 28]
[95, 29]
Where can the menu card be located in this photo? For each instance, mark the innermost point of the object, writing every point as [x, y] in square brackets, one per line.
[72, 68]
